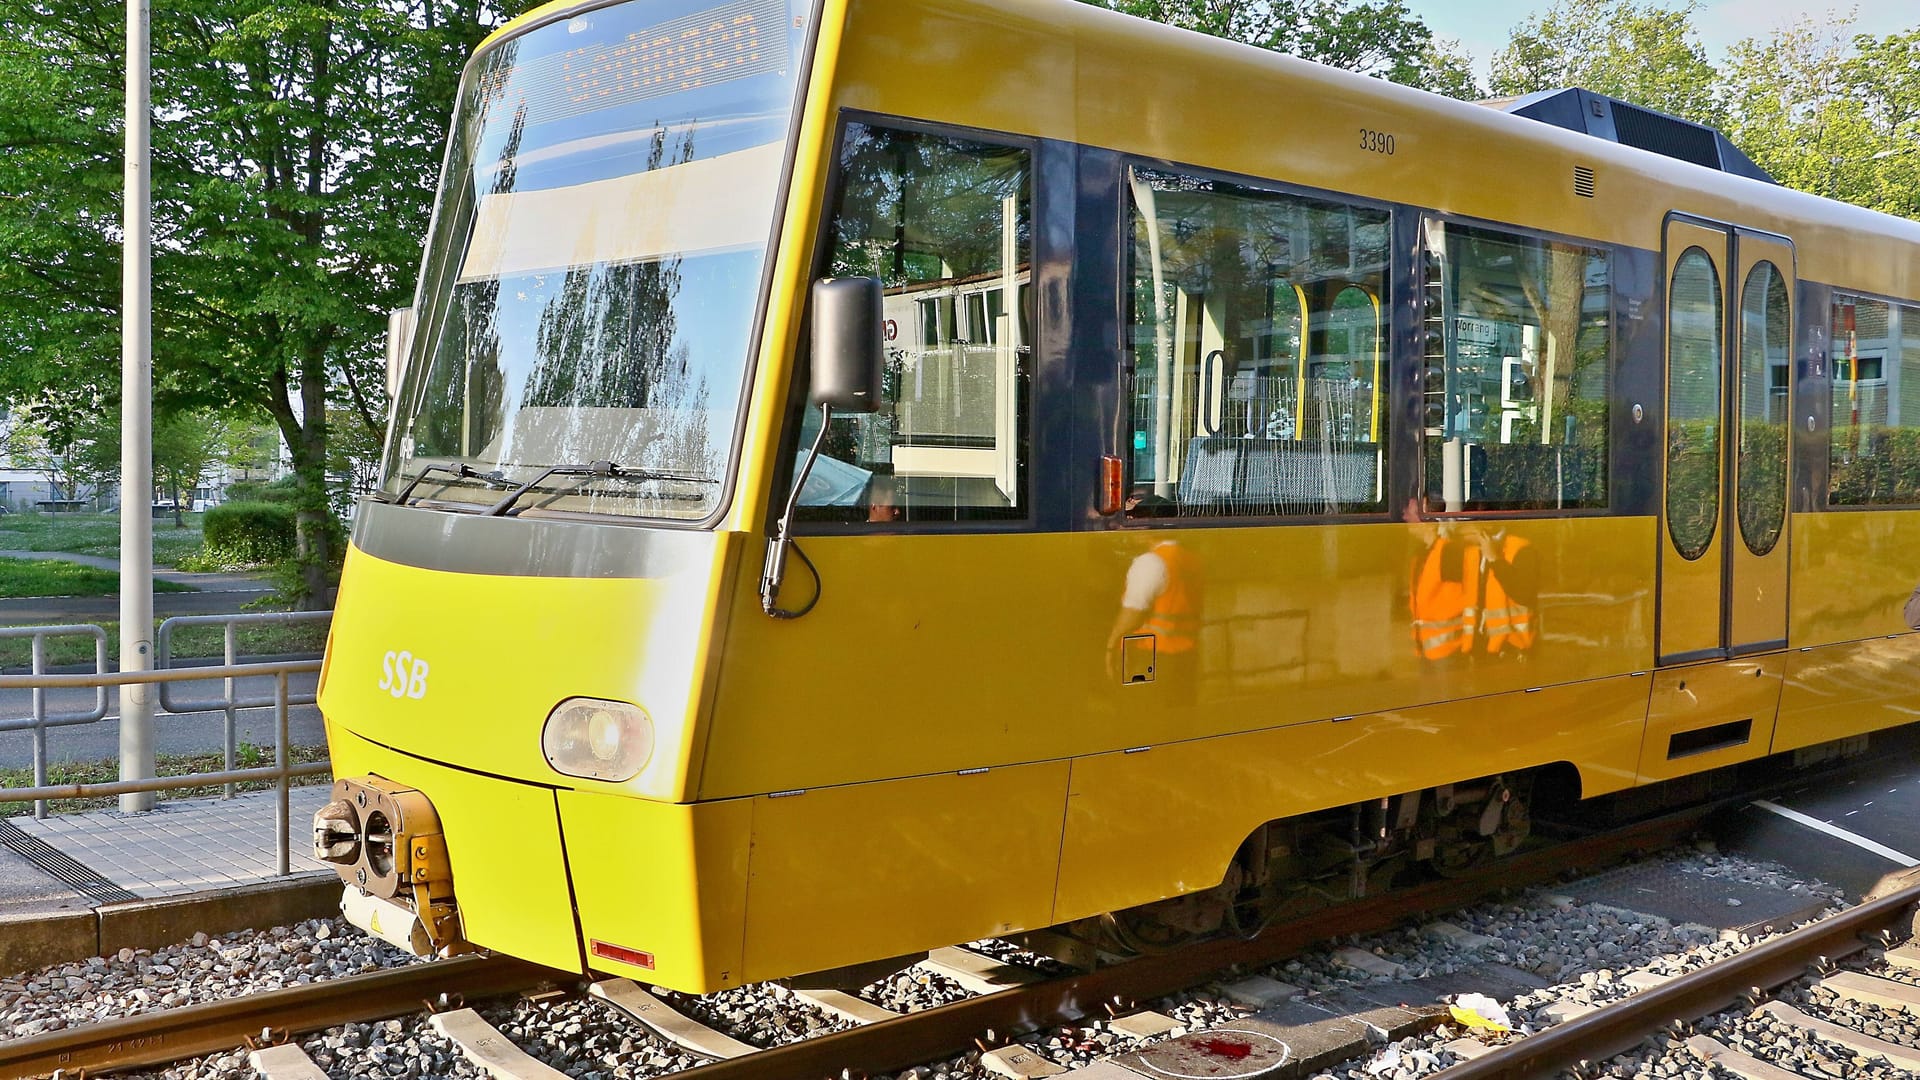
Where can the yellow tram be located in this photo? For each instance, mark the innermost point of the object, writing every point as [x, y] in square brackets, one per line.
[1246, 478]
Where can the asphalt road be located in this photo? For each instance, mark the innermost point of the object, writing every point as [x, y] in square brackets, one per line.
[1853, 830]
[197, 728]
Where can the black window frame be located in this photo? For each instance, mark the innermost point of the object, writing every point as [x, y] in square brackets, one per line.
[1035, 516]
[1398, 269]
[1822, 388]
[1618, 404]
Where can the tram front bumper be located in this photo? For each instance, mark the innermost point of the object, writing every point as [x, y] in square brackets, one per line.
[384, 840]
[504, 868]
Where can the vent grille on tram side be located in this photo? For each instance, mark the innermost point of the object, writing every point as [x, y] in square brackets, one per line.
[1665, 135]
[1583, 181]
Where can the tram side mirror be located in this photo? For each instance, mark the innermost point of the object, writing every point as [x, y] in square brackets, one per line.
[847, 345]
[399, 343]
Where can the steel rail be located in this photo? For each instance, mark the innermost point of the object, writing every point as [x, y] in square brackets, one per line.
[169, 1035]
[941, 1032]
[1617, 1028]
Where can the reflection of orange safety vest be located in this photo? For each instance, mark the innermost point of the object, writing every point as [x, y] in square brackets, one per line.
[1444, 616]
[1504, 621]
[1176, 611]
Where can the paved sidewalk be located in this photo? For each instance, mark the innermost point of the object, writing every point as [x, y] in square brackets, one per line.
[179, 848]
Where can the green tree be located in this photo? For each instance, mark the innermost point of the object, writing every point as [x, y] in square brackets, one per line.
[1374, 37]
[353, 459]
[248, 448]
[1639, 52]
[185, 443]
[1883, 77]
[1821, 109]
[296, 144]
[1830, 112]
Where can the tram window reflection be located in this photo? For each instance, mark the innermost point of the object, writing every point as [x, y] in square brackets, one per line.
[1696, 356]
[1519, 360]
[1874, 456]
[1259, 351]
[944, 222]
[1766, 358]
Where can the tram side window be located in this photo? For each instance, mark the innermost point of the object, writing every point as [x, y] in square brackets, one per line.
[1696, 378]
[1874, 459]
[1766, 357]
[1259, 351]
[1519, 360]
[944, 223]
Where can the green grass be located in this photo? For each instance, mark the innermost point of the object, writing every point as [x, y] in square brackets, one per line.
[52, 577]
[192, 641]
[247, 756]
[96, 534]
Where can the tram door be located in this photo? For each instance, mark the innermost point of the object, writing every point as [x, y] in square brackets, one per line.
[1723, 559]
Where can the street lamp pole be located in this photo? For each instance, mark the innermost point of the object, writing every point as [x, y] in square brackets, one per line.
[136, 428]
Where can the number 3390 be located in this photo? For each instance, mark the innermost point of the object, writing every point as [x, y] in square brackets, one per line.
[1378, 142]
[403, 675]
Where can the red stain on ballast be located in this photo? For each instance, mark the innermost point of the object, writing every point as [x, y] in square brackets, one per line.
[1226, 1048]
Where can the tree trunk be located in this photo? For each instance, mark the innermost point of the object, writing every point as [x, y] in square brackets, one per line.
[305, 433]
[313, 535]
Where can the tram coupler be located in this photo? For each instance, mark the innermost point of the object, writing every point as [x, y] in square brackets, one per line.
[384, 841]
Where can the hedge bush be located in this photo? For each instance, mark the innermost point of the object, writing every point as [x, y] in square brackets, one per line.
[1875, 465]
[250, 532]
[284, 491]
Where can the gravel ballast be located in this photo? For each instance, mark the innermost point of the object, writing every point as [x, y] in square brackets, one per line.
[1587, 952]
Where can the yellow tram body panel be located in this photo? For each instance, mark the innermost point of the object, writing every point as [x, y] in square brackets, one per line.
[502, 650]
[875, 870]
[522, 905]
[667, 879]
[1855, 664]
[1705, 716]
[1208, 795]
[1852, 573]
[937, 653]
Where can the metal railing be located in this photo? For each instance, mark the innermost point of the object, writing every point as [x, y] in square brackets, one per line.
[40, 720]
[229, 702]
[282, 772]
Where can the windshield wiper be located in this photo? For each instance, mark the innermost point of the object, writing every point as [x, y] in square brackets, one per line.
[462, 471]
[592, 469]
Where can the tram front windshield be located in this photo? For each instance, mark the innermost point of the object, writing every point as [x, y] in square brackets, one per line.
[589, 290]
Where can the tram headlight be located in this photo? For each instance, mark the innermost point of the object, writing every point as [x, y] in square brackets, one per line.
[597, 740]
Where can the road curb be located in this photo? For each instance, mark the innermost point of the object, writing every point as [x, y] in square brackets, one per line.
[37, 940]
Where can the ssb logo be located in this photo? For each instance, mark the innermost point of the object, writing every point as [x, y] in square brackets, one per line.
[403, 675]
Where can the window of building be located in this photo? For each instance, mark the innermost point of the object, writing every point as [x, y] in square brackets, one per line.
[1259, 351]
[944, 223]
[1874, 458]
[1694, 374]
[1518, 369]
[1766, 351]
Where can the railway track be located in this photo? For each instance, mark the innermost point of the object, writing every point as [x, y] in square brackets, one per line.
[1583, 1042]
[871, 1043]
[168, 1035]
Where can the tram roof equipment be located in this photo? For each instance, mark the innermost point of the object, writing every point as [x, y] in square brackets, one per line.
[1628, 124]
